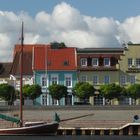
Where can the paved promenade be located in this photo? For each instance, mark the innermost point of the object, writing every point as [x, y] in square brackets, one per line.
[81, 116]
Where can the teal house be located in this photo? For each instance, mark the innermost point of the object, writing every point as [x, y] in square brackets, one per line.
[54, 65]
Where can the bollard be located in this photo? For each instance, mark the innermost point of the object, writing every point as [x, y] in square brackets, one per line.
[139, 130]
[83, 132]
[73, 132]
[111, 132]
[101, 132]
[121, 132]
[130, 131]
[64, 132]
[92, 132]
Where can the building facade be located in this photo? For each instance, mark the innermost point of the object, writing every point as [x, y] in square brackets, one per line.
[98, 66]
[130, 65]
[27, 66]
[55, 66]
[47, 64]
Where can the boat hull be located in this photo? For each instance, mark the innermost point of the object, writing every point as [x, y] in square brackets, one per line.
[41, 129]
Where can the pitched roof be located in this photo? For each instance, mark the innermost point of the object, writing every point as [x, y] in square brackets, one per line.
[5, 69]
[54, 59]
[27, 60]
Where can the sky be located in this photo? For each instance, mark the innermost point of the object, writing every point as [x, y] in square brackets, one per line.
[77, 23]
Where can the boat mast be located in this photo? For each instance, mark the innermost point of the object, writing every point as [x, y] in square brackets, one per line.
[21, 75]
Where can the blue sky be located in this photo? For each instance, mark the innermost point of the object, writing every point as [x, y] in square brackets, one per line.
[118, 9]
[77, 23]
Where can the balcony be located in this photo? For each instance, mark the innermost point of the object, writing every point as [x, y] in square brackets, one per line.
[98, 68]
[133, 69]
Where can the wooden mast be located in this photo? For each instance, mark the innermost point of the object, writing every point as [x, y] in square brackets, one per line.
[21, 75]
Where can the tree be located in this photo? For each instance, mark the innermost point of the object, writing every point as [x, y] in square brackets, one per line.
[32, 91]
[111, 91]
[134, 91]
[7, 92]
[83, 90]
[58, 91]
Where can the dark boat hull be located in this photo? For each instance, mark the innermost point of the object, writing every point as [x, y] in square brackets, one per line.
[42, 129]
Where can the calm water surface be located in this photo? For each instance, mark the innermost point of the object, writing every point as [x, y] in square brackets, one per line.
[69, 138]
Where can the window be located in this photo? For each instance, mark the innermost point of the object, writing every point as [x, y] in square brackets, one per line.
[54, 79]
[138, 62]
[66, 63]
[106, 79]
[83, 78]
[95, 80]
[83, 61]
[68, 80]
[98, 100]
[54, 102]
[122, 80]
[130, 62]
[132, 79]
[49, 63]
[43, 81]
[106, 61]
[95, 62]
[44, 99]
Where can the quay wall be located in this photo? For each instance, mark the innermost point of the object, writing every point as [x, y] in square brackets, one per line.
[131, 129]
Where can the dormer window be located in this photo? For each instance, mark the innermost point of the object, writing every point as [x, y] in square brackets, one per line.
[66, 63]
[95, 62]
[49, 63]
[83, 62]
[106, 61]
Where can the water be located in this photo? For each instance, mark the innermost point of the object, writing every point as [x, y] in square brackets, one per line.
[69, 138]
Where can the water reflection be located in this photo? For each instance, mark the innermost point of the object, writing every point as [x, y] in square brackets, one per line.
[69, 138]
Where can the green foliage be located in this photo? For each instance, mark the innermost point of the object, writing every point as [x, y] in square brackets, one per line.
[62, 45]
[134, 91]
[83, 90]
[58, 91]
[76, 87]
[32, 91]
[7, 92]
[112, 91]
[57, 45]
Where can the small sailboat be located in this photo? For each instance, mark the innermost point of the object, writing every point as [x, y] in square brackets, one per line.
[29, 128]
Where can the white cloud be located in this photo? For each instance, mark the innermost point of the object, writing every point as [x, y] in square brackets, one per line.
[130, 29]
[68, 25]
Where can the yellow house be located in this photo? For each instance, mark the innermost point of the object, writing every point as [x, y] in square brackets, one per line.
[130, 65]
[99, 66]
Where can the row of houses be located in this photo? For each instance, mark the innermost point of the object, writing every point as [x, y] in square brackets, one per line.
[56, 64]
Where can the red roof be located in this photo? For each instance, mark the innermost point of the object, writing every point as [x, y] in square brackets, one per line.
[26, 48]
[46, 58]
[27, 60]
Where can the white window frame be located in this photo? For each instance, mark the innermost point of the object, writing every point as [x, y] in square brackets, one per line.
[107, 58]
[123, 80]
[130, 62]
[95, 82]
[54, 76]
[138, 62]
[83, 77]
[83, 62]
[43, 80]
[105, 79]
[132, 81]
[68, 76]
[54, 102]
[44, 99]
[95, 60]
